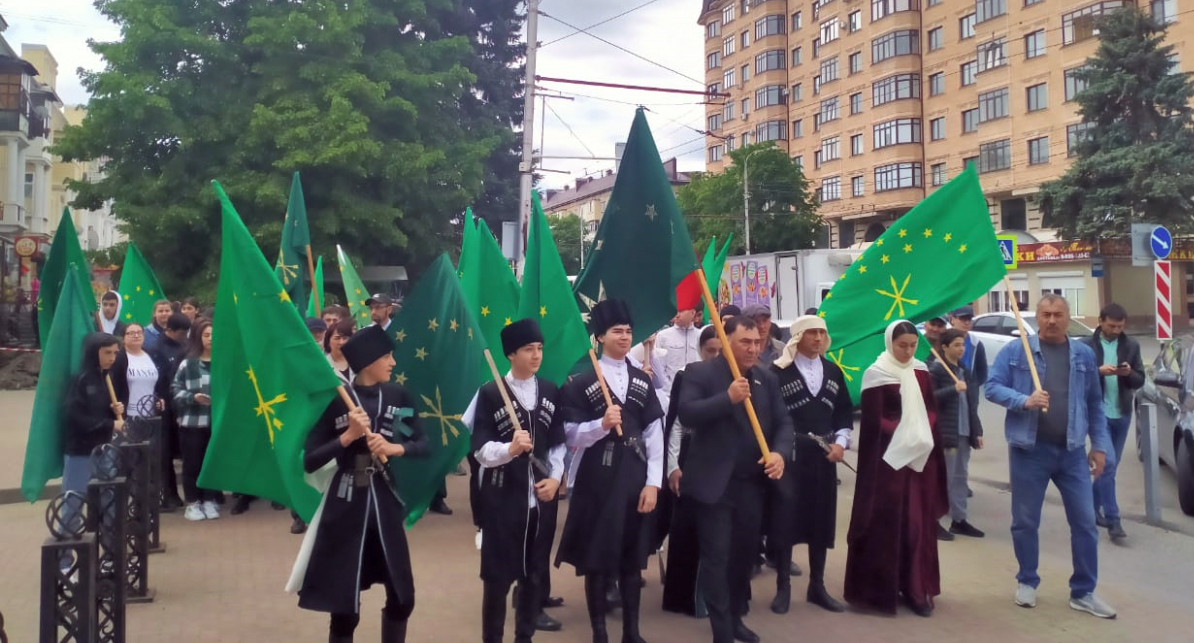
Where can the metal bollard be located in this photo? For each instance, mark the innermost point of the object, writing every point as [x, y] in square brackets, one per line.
[1152, 464]
[147, 427]
[68, 605]
[139, 463]
[108, 499]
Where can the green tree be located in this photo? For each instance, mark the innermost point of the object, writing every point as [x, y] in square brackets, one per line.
[360, 97]
[783, 213]
[566, 229]
[1135, 161]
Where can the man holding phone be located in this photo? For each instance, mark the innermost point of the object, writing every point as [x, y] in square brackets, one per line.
[1122, 372]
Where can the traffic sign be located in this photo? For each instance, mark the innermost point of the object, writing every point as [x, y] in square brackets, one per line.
[1164, 299]
[1161, 242]
[1007, 248]
[1097, 267]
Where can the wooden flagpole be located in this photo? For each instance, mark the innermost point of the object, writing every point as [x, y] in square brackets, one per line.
[609, 401]
[938, 358]
[352, 407]
[1015, 305]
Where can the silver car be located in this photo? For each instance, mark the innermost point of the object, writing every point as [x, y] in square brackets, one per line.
[995, 330]
[1169, 384]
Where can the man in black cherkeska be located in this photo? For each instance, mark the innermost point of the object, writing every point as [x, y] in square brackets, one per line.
[519, 477]
[804, 506]
[356, 538]
[607, 536]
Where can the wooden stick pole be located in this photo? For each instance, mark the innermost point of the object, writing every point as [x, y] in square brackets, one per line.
[609, 401]
[729, 355]
[648, 348]
[352, 406]
[497, 379]
[314, 286]
[112, 393]
[1015, 305]
[938, 358]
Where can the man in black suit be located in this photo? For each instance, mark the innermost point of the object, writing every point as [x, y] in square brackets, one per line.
[724, 474]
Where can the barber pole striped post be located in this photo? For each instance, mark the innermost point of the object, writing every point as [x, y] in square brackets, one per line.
[1164, 299]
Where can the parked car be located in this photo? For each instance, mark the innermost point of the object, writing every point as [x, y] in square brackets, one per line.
[995, 330]
[1169, 384]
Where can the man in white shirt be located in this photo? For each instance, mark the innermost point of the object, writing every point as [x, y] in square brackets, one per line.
[682, 341]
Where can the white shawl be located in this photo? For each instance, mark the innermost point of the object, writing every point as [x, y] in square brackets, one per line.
[109, 325]
[803, 323]
[913, 438]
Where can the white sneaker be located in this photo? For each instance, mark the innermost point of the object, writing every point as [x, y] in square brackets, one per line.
[1026, 595]
[195, 512]
[478, 539]
[1092, 604]
[210, 510]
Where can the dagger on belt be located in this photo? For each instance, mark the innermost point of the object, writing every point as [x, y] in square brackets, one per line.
[538, 464]
[825, 445]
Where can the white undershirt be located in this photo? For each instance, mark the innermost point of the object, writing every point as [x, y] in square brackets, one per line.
[812, 369]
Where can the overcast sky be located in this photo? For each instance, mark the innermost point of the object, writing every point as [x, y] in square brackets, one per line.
[663, 31]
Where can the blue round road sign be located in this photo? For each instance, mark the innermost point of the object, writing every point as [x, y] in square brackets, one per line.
[1161, 242]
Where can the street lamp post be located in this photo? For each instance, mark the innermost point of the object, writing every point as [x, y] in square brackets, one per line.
[746, 192]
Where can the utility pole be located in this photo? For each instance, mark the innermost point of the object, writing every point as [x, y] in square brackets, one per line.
[746, 193]
[526, 167]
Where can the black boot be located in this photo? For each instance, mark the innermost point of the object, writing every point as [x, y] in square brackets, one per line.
[241, 505]
[394, 630]
[817, 594]
[632, 593]
[493, 613]
[332, 638]
[595, 600]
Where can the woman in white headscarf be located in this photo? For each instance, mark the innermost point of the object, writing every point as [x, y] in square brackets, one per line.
[901, 489]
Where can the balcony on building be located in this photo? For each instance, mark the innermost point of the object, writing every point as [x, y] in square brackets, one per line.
[16, 104]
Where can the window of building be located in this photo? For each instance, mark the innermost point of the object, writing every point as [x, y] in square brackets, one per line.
[715, 153]
[1073, 84]
[1074, 135]
[731, 144]
[830, 30]
[845, 234]
[970, 120]
[995, 156]
[831, 188]
[798, 160]
[1175, 63]
[898, 176]
[855, 103]
[770, 95]
[969, 73]
[817, 164]
[829, 70]
[713, 30]
[714, 122]
[744, 139]
[829, 110]
[769, 60]
[1079, 25]
[968, 161]
[966, 26]
[797, 92]
[1013, 214]
[713, 60]
[896, 43]
[727, 14]
[1038, 97]
[797, 21]
[893, 88]
[936, 38]
[771, 131]
[937, 84]
[797, 58]
[727, 112]
[882, 8]
[831, 149]
[745, 73]
[993, 104]
[1164, 11]
[855, 20]
[727, 47]
[855, 63]
[745, 39]
[897, 132]
[817, 85]
[937, 129]
[769, 26]
[987, 9]
[745, 106]
[1029, 3]
[1038, 150]
[817, 6]
[934, 3]
[856, 186]
[992, 54]
[1034, 44]
[713, 89]
[728, 78]
[816, 47]
[798, 128]
[856, 145]
[938, 173]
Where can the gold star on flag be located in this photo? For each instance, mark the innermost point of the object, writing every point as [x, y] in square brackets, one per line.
[862, 270]
[484, 311]
[948, 236]
[432, 325]
[126, 297]
[897, 297]
[420, 354]
[821, 314]
[453, 325]
[400, 378]
[235, 300]
[903, 233]
[358, 291]
[928, 232]
[128, 315]
[879, 242]
[138, 288]
[400, 335]
[151, 293]
[884, 258]
[962, 248]
[284, 296]
[508, 322]
[543, 311]
[651, 212]
[828, 295]
[907, 247]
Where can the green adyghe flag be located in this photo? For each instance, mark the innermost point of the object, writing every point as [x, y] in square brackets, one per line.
[490, 290]
[354, 290]
[940, 255]
[642, 250]
[62, 353]
[270, 382]
[439, 351]
[713, 263]
[316, 301]
[468, 244]
[547, 298]
[296, 242]
[65, 255]
[139, 287]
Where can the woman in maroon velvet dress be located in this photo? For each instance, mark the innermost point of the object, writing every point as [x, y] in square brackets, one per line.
[901, 489]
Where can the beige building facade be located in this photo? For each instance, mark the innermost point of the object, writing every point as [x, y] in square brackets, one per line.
[883, 101]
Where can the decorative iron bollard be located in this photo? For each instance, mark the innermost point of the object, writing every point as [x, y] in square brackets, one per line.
[108, 497]
[138, 462]
[148, 428]
[68, 602]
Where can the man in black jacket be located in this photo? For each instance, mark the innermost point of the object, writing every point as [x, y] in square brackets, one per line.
[724, 474]
[1118, 357]
[166, 354]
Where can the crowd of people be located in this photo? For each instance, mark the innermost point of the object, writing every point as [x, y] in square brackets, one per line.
[662, 442]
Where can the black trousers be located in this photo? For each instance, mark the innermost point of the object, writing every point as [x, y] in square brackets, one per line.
[728, 533]
[194, 448]
[169, 450]
[493, 605]
[541, 552]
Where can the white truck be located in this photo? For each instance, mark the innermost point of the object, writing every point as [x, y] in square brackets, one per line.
[787, 282]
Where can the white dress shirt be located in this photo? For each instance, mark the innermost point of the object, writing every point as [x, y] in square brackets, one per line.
[683, 348]
[813, 372]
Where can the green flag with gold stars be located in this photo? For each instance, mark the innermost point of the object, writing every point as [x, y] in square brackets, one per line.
[354, 289]
[270, 382]
[139, 288]
[940, 255]
[440, 360]
[547, 298]
[490, 289]
[291, 266]
[65, 254]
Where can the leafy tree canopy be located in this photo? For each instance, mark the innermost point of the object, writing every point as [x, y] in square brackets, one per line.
[566, 230]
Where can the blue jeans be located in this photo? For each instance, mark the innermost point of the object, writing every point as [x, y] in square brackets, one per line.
[77, 472]
[1104, 485]
[1031, 471]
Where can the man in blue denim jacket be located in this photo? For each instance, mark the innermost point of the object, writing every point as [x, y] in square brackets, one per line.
[1046, 436]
